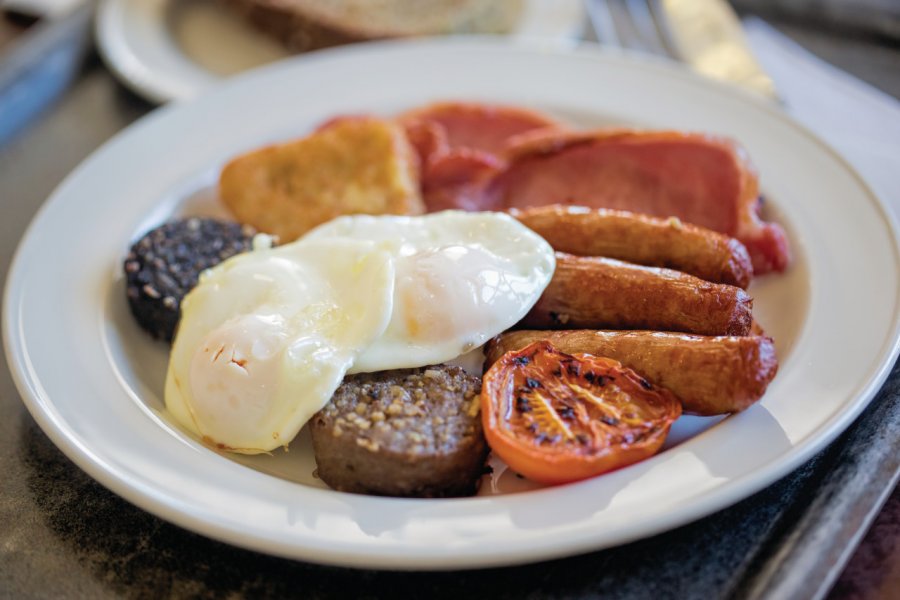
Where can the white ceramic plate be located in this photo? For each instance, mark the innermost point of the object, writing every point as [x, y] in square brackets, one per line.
[93, 380]
[175, 49]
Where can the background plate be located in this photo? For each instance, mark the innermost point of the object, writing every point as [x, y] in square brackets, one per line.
[92, 380]
[175, 49]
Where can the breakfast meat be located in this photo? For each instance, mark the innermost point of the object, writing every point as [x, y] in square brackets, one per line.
[642, 240]
[479, 126]
[455, 180]
[411, 432]
[701, 179]
[165, 264]
[428, 138]
[357, 165]
[709, 375]
[460, 144]
[303, 25]
[604, 293]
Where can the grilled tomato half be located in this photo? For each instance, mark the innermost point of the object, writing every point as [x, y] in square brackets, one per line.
[556, 417]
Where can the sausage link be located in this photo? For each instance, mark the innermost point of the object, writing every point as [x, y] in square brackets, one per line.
[604, 293]
[710, 375]
[641, 239]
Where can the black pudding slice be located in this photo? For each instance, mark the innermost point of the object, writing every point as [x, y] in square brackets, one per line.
[164, 265]
[409, 432]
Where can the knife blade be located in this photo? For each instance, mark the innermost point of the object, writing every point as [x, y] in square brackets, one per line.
[707, 35]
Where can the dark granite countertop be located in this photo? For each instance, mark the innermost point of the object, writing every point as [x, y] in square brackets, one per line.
[64, 535]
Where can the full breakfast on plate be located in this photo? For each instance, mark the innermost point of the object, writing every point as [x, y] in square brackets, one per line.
[459, 280]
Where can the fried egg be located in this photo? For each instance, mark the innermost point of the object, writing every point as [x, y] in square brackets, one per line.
[267, 336]
[461, 278]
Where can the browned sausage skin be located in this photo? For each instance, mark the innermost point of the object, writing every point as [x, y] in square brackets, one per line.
[603, 293]
[641, 239]
[710, 375]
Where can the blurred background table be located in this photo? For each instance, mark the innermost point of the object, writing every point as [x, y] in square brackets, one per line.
[64, 535]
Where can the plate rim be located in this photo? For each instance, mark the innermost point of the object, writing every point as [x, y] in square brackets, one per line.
[41, 407]
[116, 55]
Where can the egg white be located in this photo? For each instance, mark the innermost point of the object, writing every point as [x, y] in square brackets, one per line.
[267, 336]
[461, 278]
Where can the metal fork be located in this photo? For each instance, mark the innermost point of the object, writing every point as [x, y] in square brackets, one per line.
[706, 34]
[631, 24]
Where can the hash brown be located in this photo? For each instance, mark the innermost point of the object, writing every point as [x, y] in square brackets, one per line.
[360, 165]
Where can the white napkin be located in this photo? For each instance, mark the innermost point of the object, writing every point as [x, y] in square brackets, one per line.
[858, 120]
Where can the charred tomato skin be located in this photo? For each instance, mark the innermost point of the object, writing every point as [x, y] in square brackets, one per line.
[557, 418]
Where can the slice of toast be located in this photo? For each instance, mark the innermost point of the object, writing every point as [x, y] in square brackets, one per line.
[353, 166]
[309, 24]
